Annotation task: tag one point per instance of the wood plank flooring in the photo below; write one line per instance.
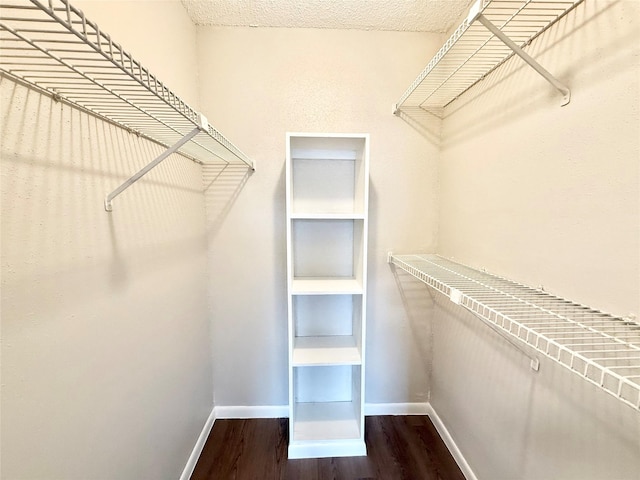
(398, 448)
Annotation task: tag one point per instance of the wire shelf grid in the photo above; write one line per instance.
(473, 52)
(54, 47)
(599, 347)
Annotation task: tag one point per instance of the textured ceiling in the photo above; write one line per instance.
(398, 15)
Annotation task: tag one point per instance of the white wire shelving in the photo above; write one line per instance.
(492, 32)
(599, 347)
(52, 46)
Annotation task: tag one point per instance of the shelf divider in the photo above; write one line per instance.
(325, 286)
(326, 350)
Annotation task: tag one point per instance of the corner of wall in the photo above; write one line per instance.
(197, 449)
(451, 444)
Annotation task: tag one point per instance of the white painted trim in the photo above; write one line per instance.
(325, 449)
(282, 411)
(371, 409)
(450, 443)
(197, 449)
(259, 411)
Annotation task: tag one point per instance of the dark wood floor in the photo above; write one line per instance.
(398, 448)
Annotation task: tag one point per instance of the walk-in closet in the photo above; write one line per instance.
(251, 239)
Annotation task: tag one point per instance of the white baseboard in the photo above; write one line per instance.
(371, 409)
(450, 443)
(197, 449)
(259, 411)
(282, 411)
(333, 448)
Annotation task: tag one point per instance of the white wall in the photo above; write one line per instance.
(258, 84)
(159, 33)
(545, 195)
(550, 195)
(106, 360)
(512, 423)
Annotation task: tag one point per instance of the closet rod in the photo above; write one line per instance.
(534, 362)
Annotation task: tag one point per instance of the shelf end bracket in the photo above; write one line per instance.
(475, 11)
(202, 126)
(561, 87)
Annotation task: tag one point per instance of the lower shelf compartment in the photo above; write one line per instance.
(326, 415)
(325, 421)
(327, 429)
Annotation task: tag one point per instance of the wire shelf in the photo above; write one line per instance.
(601, 348)
(473, 51)
(54, 47)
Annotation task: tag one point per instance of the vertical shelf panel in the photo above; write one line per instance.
(323, 248)
(327, 218)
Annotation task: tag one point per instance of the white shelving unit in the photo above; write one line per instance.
(327, 178)
(492, 32)
(600, 348)
(54, 48)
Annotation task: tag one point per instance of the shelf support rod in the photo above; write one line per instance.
(534, 362)
(562, 88)
(109, 198)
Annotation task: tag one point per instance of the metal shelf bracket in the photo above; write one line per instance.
(492, 33)
(53, 47)
(562, 88)
(203, 126)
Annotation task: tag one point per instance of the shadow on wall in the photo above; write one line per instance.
(551, 414)
(426, 123)
(58, 163)
(222, 185)
(418, 303)
(515, 89)
(101, 312)
(475, 370)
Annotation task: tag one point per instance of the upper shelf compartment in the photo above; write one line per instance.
(328, 175)
(53, 46)
(492, 32)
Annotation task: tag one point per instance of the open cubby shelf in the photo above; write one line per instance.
(327, 199)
